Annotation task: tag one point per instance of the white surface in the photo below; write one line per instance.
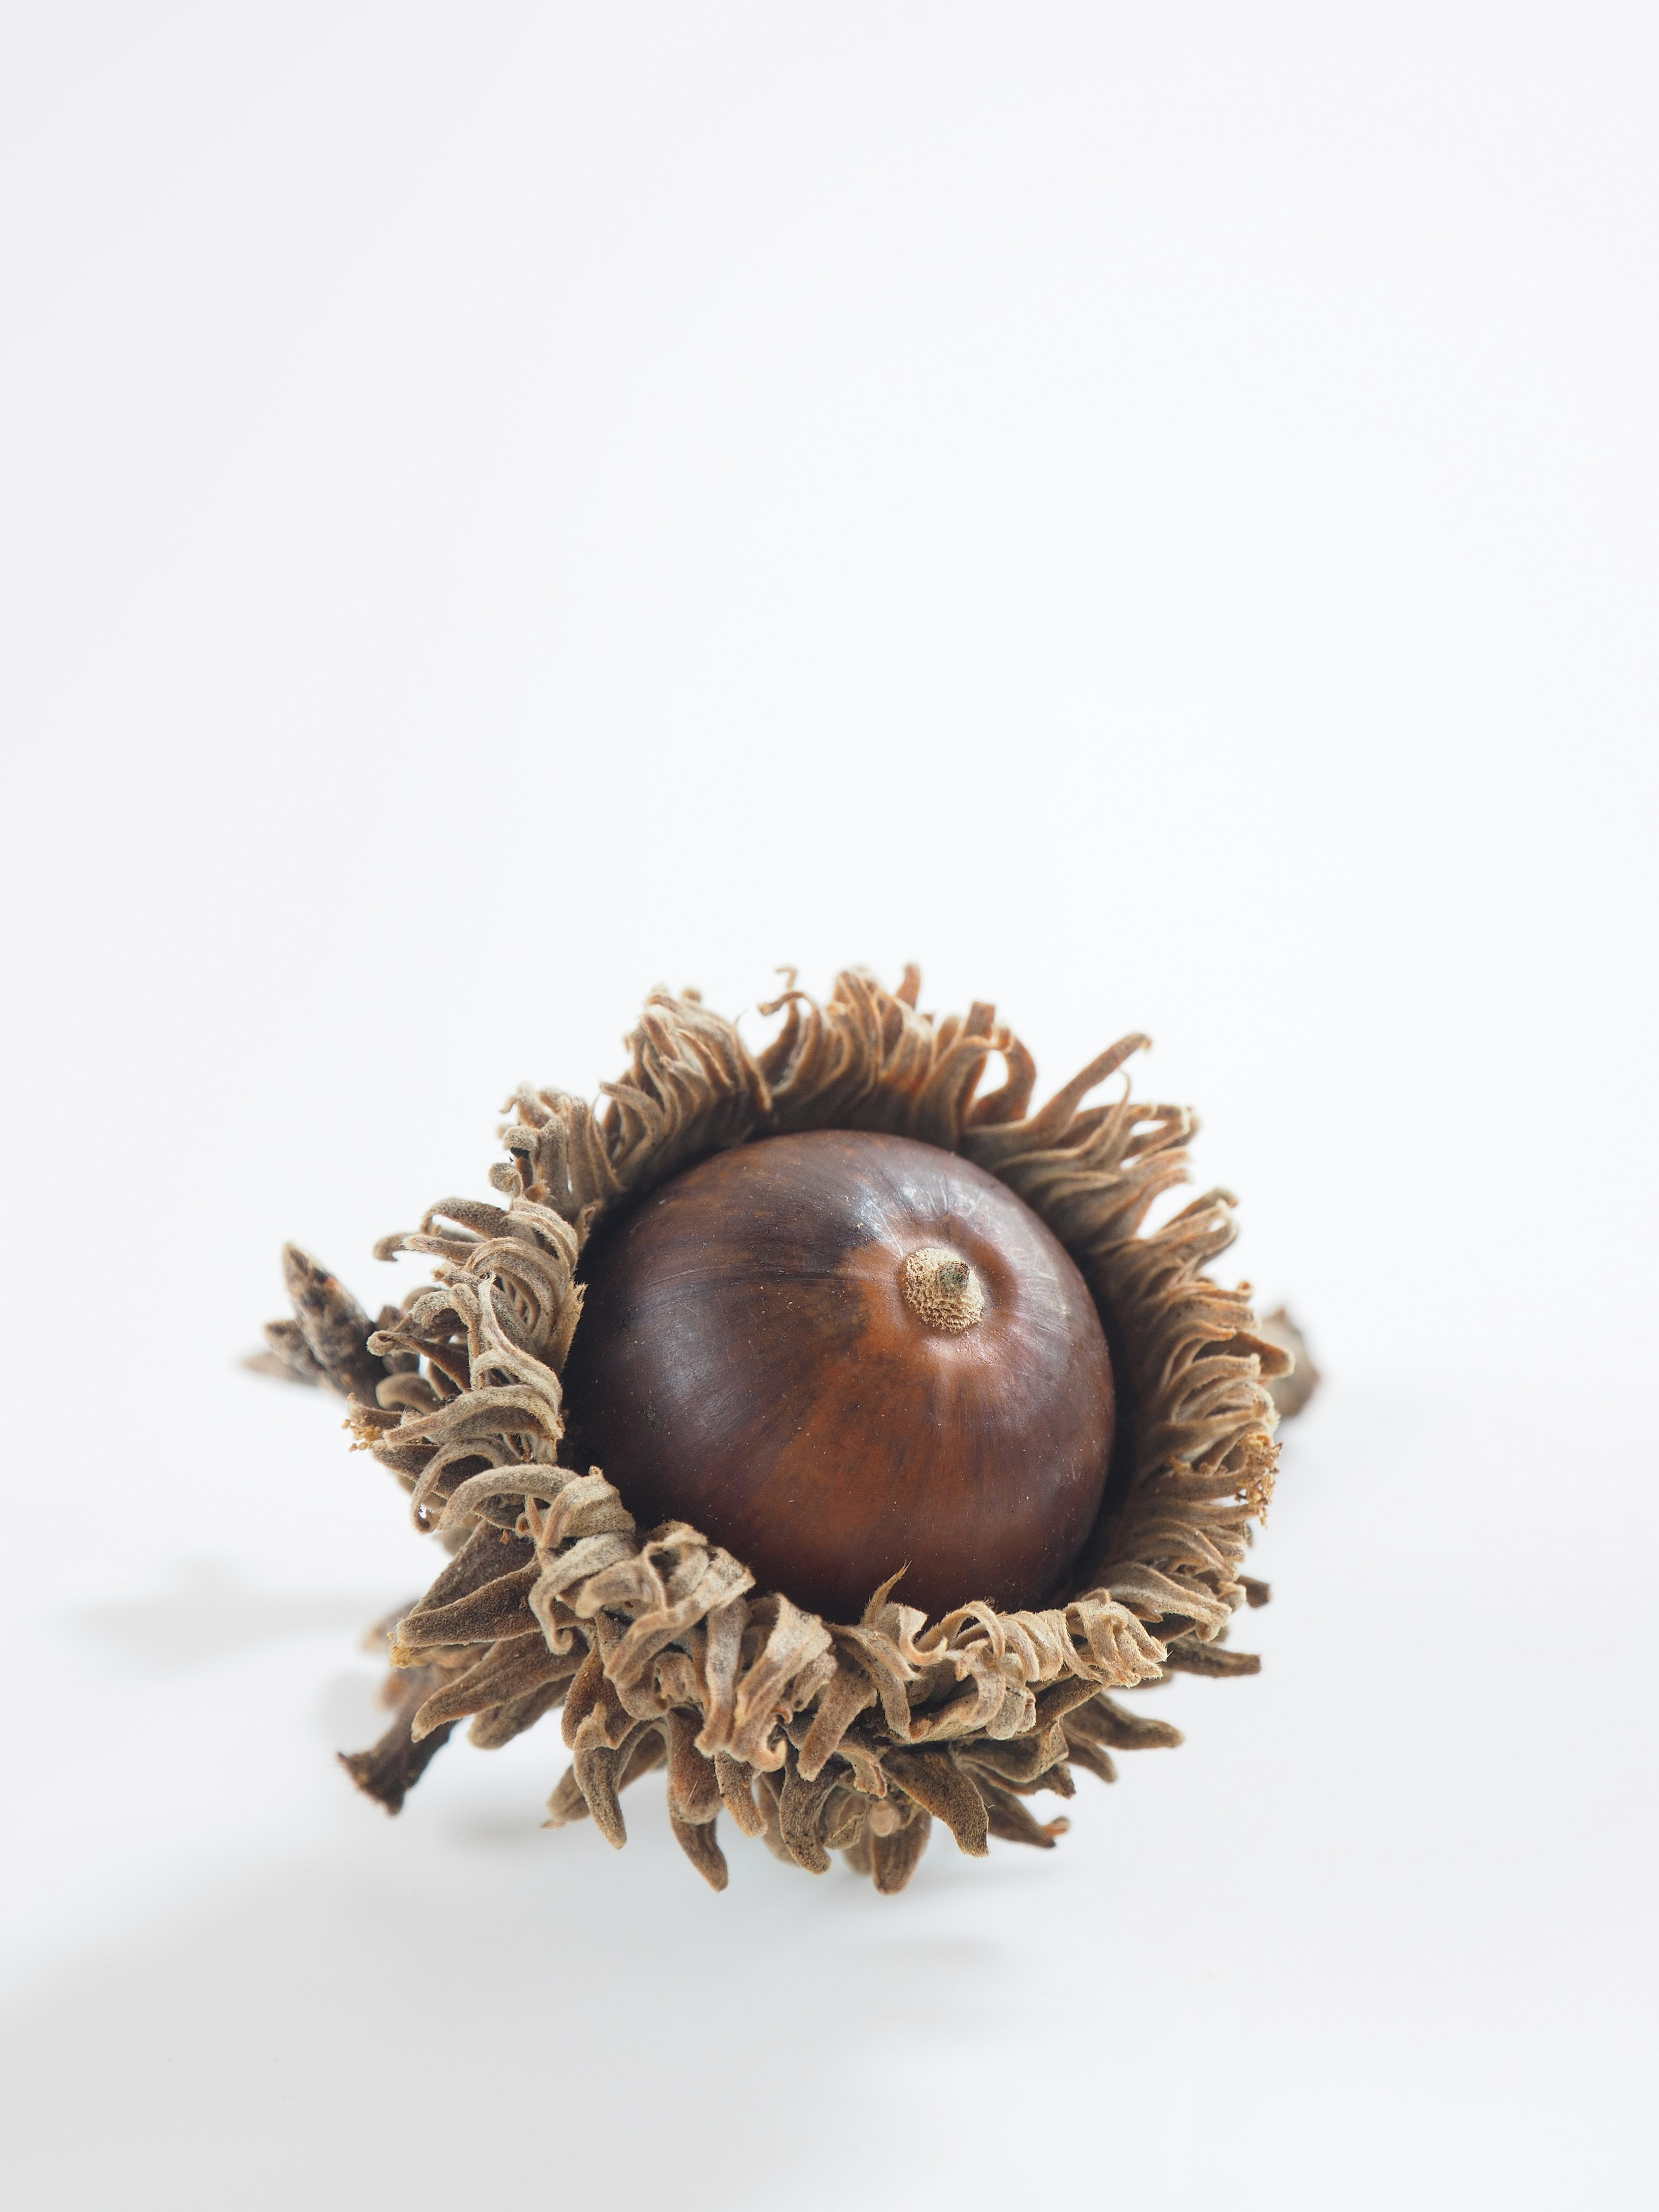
(1150, 513)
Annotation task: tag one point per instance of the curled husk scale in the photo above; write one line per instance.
(820, 1735)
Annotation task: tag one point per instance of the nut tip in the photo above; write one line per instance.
(942, 1290)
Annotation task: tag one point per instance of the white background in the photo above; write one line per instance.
(1150, 512)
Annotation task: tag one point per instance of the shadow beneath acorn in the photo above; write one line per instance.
(477, 2028)
(209, 1610)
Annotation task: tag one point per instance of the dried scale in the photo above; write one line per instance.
(841, 1305)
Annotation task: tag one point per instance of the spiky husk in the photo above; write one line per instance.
(819, 1736)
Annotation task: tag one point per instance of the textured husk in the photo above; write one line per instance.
(818, 1736)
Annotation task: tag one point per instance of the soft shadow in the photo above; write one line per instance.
(477, 2030)
(211, 1609)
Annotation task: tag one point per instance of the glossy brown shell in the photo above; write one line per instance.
(747, 1361)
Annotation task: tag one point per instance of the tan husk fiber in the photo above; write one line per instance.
(819, 1736)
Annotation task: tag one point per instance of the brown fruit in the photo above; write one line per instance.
(839, 1354)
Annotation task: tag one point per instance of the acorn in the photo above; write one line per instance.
(816, 1425)
(848, 1357)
